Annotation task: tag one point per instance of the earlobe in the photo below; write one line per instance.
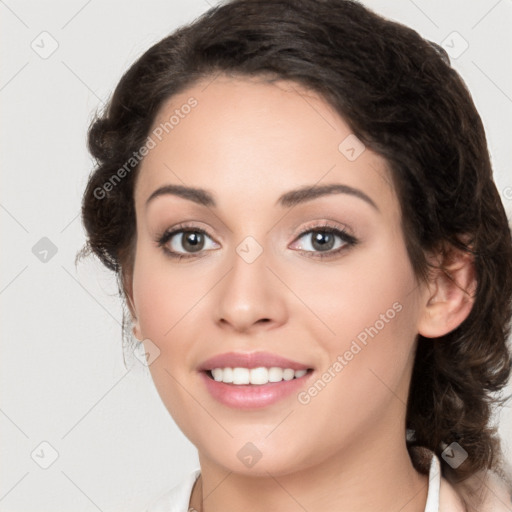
(128, 292)
(449, 297)
(136, 332)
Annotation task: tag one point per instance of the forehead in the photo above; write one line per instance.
(231, 135)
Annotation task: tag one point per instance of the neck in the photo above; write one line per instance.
(375, 478)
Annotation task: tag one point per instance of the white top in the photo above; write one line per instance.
(178, 498)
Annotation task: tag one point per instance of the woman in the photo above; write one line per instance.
(297, 199)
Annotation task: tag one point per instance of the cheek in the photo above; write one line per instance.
(162, 297)
(350, 296)
(369, 312)
(154, 300)
(166, 300)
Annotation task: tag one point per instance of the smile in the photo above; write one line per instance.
(249, 380)
(255, 376)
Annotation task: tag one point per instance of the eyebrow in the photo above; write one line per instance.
(289, 199)
(308, 193)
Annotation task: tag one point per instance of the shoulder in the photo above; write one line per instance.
(441, 497)
(177, 499)
(484, 491)
(487, 492)
(449, 499)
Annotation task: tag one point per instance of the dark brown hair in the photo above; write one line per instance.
(401, 97)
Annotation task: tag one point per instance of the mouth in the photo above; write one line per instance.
(260, 376)
(254, 380)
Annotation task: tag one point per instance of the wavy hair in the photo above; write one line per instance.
(401, 98)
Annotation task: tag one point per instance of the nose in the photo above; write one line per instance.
(250, 297)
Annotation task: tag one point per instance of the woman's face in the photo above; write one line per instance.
(263, 278)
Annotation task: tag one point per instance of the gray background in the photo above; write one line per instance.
(63, 379)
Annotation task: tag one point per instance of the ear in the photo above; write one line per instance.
(449, 296)
(127, 282)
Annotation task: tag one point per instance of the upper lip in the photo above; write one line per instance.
(250, 360)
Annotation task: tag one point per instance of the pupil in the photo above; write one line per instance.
(323, 241)
(193, 242)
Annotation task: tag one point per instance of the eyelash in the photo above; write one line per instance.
(324, 227)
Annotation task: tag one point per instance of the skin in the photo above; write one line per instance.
(248, 142)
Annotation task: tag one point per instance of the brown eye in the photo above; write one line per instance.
(186, 242)
(192, 241)
(326, 240)
(322, 241)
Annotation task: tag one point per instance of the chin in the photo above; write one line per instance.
(257, 458)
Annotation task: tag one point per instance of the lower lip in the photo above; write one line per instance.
(251, 396)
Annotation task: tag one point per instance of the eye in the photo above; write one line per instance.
(183, 242)
(320, 241)
(324, 241)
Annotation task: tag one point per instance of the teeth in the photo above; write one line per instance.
(256, 376)
(227, 375)
(240, 376)
(217, 374)
(288, 374)
(275, 374)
